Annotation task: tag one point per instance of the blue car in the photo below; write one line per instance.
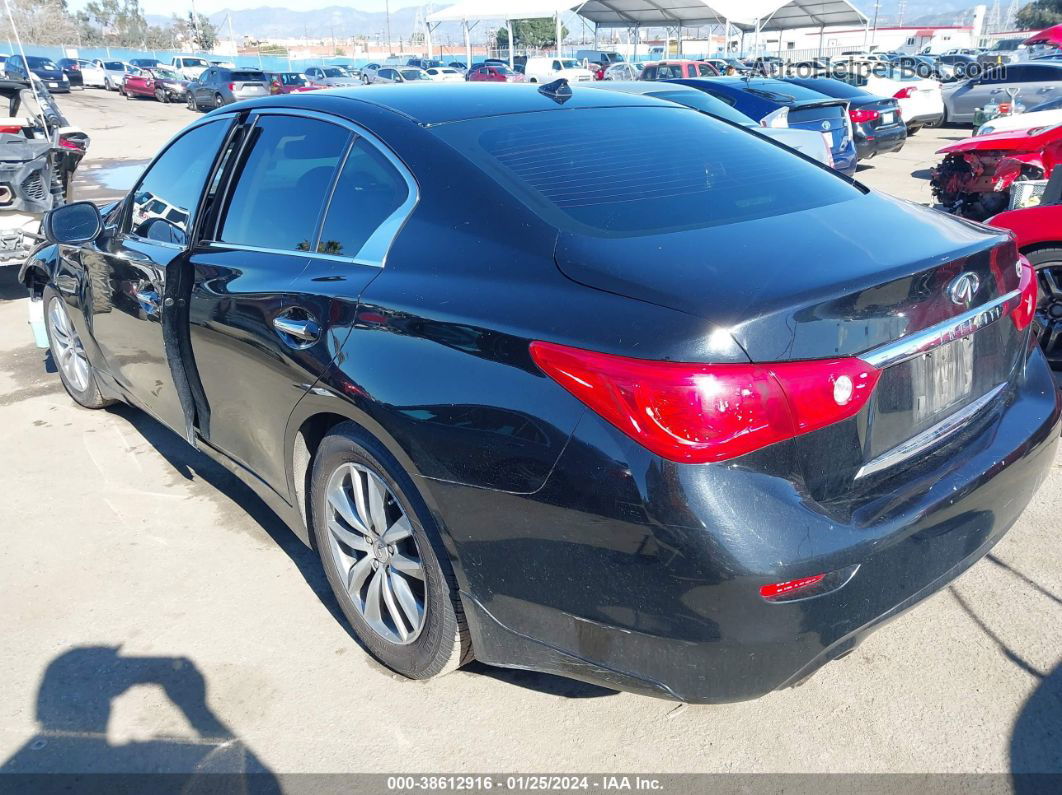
(806, 109)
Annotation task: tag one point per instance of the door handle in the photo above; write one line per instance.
(299, 331)
(149, 300)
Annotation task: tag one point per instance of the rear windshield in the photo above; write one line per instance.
(583, 169)
(247, 76)
(831, 87)
(782, 92)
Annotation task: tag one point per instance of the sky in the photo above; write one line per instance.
(169, 7)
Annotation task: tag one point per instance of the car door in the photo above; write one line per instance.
(269, 303)
(976, 93)
(130, 264)
(1041, 82)
(204, 89)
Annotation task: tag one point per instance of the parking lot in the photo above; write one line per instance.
(158, 617)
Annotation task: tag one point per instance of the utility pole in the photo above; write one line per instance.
(900, 11)
(877, 5)
(387, 11)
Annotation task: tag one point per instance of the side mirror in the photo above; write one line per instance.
(73, 224)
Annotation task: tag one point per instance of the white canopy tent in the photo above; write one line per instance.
(471, 12)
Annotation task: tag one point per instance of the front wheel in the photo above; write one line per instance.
(384, 559)
(68, 353)
(161, 96)
(192, 104)
(1048, 265)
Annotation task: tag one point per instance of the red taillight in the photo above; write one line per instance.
(1026, 308)
(782, 588)
(10, 128)
(698, 413)
(859, 116)
(232, 86)
(904, 93)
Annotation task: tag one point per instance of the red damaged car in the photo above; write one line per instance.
(983, 175)
(1038, 230)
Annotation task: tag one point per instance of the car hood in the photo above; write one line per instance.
(787, 286)
(1024, 121)
(48, 74)
(1008, 141)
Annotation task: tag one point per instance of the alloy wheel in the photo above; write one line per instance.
(67, 349)
(218, 101)
(1049, 310)
(375, 552)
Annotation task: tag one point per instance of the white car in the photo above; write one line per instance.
(190, 67)
(920, 98)
(623, 71)
(445, 74)
(93, 74)
(1022, 121)
(114, 73)
(540, 69)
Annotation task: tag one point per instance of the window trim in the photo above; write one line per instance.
(375, 249)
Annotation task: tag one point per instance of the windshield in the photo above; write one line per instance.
(582, 169)
(335, 71)
(705, 103)
(114, 66)
(412, 74)
(166, 73)
(195, 62)
(292, 79)
(569, 63)
(1008, 44)
(41, 63)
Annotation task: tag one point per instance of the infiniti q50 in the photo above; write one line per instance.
(687, 420)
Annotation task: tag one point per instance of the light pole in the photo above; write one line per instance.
(387, 11)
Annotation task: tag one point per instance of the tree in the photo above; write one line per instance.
(534, 33)
(1040, 14)
(40, 22)
(198, 30)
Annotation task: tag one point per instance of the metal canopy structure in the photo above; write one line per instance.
(745, 15)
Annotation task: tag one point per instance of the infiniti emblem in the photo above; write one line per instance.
(963, 287)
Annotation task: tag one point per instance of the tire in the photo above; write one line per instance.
(218, 101)
(441, 643)
(191, 103)
(78, 379)
(1047, 262)
(913, 130)
(162, 96)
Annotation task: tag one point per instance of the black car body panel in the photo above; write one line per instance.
(576, 549)
(884, 133)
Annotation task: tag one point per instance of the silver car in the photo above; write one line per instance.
(400, 74)
(331, 76)
(218, 86)
(114, 73)
(623, 71)
(1031, 83)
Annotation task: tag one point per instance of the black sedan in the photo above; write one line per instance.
(688, 420)
(18, 68)
(877, 126)
(72, 69)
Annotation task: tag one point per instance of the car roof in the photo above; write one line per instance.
(638, 86)
(440, 103)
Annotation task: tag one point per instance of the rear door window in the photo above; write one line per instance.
(583, 169)
(282, 183)
(368, 192)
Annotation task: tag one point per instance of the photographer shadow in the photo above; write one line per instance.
(74, 704)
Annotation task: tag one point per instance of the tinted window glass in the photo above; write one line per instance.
(114, 66)
(698, 100)
(583, 168)
(830, 87)
(283, 182)
(242, 77)
(369, 190)
(164, 203)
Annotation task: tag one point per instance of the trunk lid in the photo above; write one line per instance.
(830, 117)
(823, 283)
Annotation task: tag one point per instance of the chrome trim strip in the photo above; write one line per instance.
(291, 253)
(928, 437)
(933, 337)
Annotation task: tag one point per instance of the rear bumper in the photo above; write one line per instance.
(881, 141)
(646, 576)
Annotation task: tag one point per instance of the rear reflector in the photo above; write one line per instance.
(787, 587)
(1025, 310)
(698, 413)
